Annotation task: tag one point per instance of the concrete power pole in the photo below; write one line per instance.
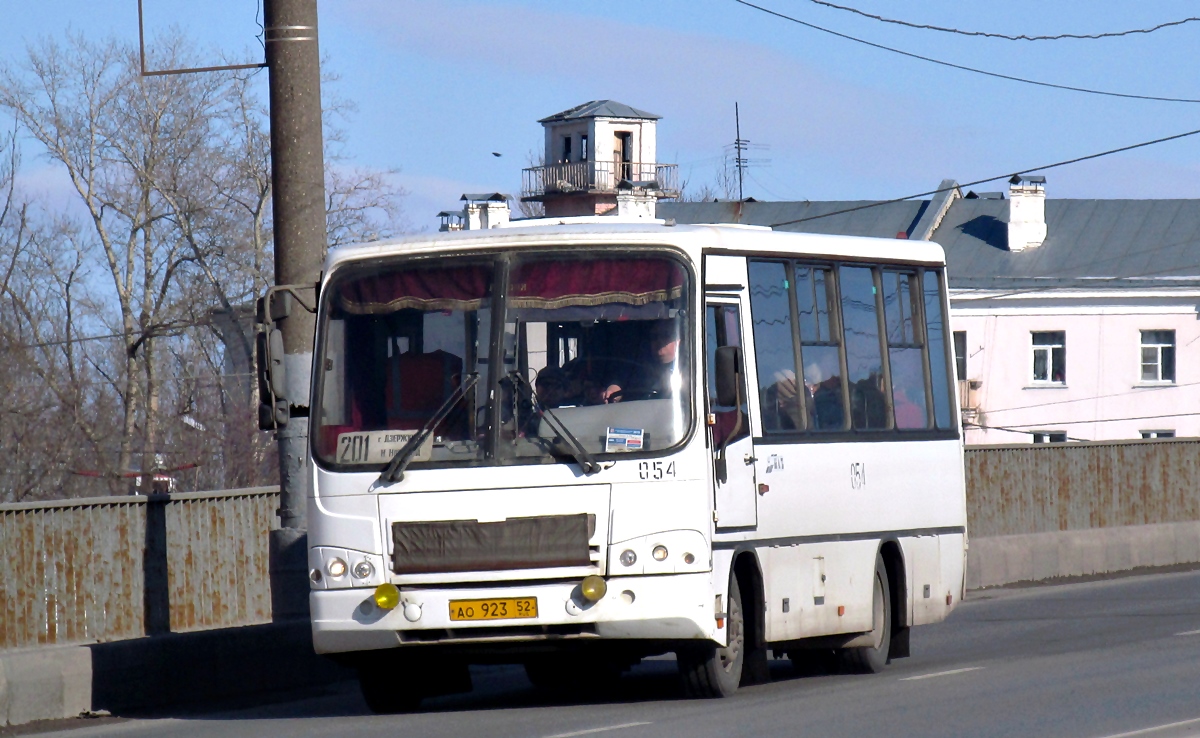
(298, 200)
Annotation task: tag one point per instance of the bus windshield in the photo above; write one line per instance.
(591, 352)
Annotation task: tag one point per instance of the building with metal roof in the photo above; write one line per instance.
(1072, 319)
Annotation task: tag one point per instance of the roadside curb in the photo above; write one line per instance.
(173, 670)
(1032, 557)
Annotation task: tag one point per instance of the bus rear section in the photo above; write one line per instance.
(572, 448)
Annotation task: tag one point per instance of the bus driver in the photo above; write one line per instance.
(655, 377)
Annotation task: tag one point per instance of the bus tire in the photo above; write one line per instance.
(871, 659)
(716, 671)
(386, 692)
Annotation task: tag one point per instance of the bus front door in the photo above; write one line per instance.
(730, 441)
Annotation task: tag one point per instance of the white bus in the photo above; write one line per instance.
(577, 445)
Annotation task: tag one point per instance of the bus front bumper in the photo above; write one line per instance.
(666, 607)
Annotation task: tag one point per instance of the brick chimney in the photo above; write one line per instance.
(1026, 212)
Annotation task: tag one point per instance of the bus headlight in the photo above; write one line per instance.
(628, 557)
(659, 553)
(363, 569)
(336, 568)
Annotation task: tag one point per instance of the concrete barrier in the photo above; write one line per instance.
(179, 669)
(173, 670)
(1033, 557)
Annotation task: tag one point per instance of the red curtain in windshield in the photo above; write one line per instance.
(450, 288)
(537, 284)
(557, 284)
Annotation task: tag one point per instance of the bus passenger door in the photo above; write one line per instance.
(729, 425)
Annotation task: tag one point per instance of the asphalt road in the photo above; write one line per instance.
(1093, 660)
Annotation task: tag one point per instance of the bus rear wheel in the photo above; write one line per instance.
(871, 659)
(715, 671)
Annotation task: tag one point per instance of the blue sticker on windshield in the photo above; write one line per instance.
(623, 439)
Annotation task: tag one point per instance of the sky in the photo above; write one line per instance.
(441, 84)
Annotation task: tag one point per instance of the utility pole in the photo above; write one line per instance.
(739, 146)
(298, 201)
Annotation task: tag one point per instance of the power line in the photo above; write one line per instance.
(154, 332)
(1014, 430)
(1076, 160)
(1099, 420)
(962, 67)
(1006, 37)
(1150, 388)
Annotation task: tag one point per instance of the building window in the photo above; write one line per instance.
(583, 149)
(1158, 356)
(960, 354)
(1050, 357)
(1049, 437)
(566, 156)
(1158, 434)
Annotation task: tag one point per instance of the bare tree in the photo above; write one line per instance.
(172, 177)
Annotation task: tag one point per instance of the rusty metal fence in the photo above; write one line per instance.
(111, 568)
(1038, 488)
(104, 569)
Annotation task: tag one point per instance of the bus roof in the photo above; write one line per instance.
(693, 238)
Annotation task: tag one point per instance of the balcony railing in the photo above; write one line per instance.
(596, 177)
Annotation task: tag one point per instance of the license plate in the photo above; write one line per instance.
(506, 608)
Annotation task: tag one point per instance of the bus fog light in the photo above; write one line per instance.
(628, 557)
(688, 558)
(363, 569)
(593, 588)
(659, 553)
(336, 568)
(387, 596)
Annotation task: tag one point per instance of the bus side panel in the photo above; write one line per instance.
(816, 580)
(935, 571)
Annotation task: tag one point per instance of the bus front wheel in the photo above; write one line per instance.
(715, 671)
(871, 659)
(384, 692)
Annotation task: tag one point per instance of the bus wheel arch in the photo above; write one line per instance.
(710, 671)
(748, 571)
(897, 573)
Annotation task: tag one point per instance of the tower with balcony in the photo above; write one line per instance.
(600, 159)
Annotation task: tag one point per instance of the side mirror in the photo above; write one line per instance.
(729, 367)
(273, 404)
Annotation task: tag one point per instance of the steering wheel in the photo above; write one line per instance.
(629, 394)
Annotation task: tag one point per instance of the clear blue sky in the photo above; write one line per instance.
(440, 84)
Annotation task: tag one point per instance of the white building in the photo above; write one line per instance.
(1073, 319)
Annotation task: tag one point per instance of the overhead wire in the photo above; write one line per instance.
(1140, 390)
(963, 67)
(957, 186)
(969, 426)
(163, 330)
(1004, 36)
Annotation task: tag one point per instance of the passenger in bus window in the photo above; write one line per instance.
(784, 392)
(557, 387)
(824, 393)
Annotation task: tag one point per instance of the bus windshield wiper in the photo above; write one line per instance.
(394, 471)
(586, 463)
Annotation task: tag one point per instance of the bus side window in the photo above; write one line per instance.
(935, 341)
(820, 348)
(774, 346)
(721, 328)
(869, 407)
(906, 353)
